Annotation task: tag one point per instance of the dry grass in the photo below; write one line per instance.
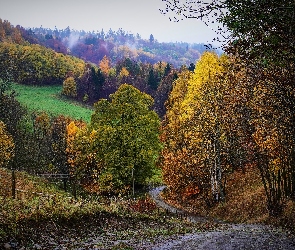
(245, 202)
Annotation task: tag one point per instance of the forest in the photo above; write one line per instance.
(216, 129)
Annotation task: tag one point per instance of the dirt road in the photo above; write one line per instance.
(229, 237)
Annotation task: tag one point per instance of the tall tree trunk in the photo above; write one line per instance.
(216, 173)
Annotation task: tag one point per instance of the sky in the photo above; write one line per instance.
(134, 16)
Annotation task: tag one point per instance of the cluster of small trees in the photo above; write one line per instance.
(87, 83)
(27, 63)
(34, 64)
(102, 80)
(121, 145)
(195, 132)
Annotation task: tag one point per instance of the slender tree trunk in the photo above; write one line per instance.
(218, 191)
(13, 180)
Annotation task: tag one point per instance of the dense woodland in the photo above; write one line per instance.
(198, 116)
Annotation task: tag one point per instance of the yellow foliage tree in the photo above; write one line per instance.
(35, 64)
(69, 87)
(124, 73)
(78, 152)
(6, 145)
(193, 131)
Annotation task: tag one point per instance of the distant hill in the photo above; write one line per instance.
(116, 45)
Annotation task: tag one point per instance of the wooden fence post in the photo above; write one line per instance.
(13, 184)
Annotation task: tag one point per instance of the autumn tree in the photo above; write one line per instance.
(78, 151)
(131, 66)
(34, 64)
(59, 143)
(178, 169)
(69, 87)
(273, 132)
(7, 145)
(105, 65)
(124, 73)
(261, 37)
(268, 52)
(193, 126)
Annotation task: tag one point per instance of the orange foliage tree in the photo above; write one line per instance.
(105, 65)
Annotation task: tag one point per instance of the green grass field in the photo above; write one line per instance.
(48, 99)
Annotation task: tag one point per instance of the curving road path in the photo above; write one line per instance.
(231, 237)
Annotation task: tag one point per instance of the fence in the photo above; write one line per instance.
(14, 190)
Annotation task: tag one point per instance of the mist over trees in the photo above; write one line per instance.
(116, 45)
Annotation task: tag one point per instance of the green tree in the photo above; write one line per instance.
(152, 79)
(126, 138)
(167, 69)
(4, 86)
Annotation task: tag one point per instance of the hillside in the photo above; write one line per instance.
(116, 45)
(25, 61)
(44, 216)
(112, 114)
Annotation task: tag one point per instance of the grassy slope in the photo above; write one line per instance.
(47, 98)
(42, 212)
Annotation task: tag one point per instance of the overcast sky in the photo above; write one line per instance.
(135, 16)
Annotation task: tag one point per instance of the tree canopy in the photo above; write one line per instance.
(125, 138)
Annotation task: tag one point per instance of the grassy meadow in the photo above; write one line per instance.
(48, 99)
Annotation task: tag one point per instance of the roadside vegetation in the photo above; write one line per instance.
(245, 203)
(43, 213)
